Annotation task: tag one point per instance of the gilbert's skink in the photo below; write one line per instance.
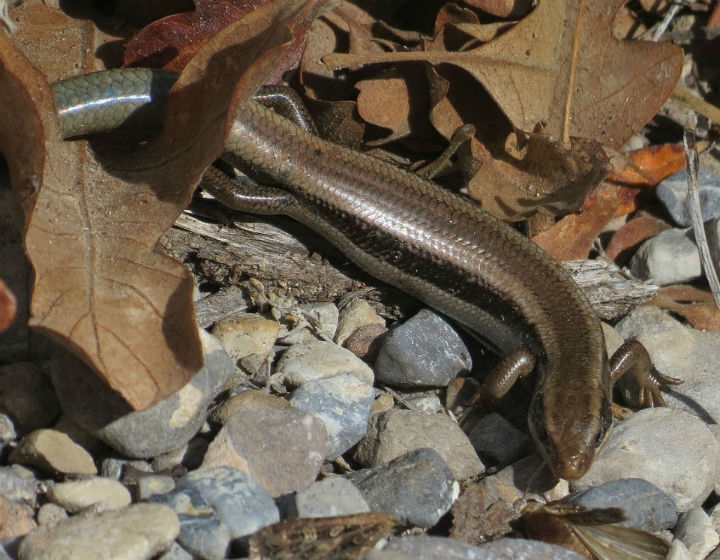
(437, 246)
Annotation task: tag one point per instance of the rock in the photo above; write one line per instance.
(425, 547)
(202, 532)
(17, 488)
(176, 552)
(646, 507)
(318, 360)
(281, 449)
(248, 338)
(355, 314)
(328, 498)
(7, 432)
(16, 519)
(496, 439)
(342, 403)
(137, 532)
(246, 400)
(425, 351)
(672, 191)
(216, 505)
(323, 318)
(679, 552)
(114, 468)
(670, 257)
(153, 485)
(393, 433)
(681, 352)
(103, 493)
(417, 488)
(166, 426)
(383, 402)
(50, 513)
(660, 445)
(237, 499)
(696, 532)
(428, 404)
(365, 342)
(54, 453)
(27, 397)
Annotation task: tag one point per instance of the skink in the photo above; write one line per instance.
(437, 246)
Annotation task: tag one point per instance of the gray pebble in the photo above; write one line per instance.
(659, 445)
(670, 257)
(317, 359)
(166, 426)
(52, 452)
(153, 485)
(697, 533)
(342, 403)
(76, 495)
(393, 433)
(202, 532)
(425, 547)
(27, 397)
(646, 507)
(417, 488)
(114, 468)
(237, 499)
(322, 316)
(354, 314)
(425, 351)
(49, 514)
(137, 532)
(672, 191)
(175, 552)
(17, 488)
(329, 497)
(7, 431)
(496, 439)
(282, 450)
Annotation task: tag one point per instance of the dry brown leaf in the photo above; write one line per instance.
(573, 236)
(562, 66)
(100, 288)
(629, 237)
(396, 100)
(512, 174)
(696, 305)
(8, 306)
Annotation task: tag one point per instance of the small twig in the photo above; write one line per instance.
(693, 203)
(669, 15)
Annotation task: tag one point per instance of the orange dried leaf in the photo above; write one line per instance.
(648, 166)
(572, 237)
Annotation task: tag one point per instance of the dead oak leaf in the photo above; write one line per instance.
(562, 66)
(100, 287)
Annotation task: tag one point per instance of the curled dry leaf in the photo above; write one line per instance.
(562, 66)
(8, 306)
(171, 42)
(100, 287)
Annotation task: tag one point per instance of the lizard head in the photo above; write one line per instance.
(569, 429)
